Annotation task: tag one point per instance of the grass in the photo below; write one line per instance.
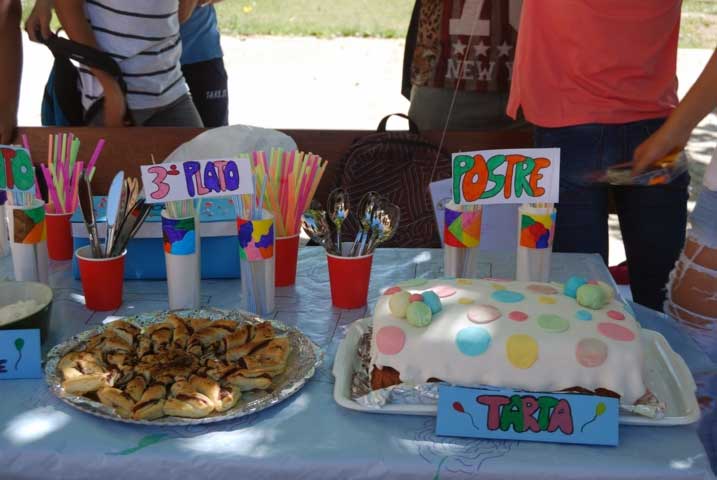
(385, 19)
(334, 18)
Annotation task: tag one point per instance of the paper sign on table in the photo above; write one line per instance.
(517, 415)
(525, 175)
(189, 179)
(20, 354)
(16, 171)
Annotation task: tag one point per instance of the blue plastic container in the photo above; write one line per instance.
(145, 252)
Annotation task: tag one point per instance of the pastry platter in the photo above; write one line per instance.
(298, 366)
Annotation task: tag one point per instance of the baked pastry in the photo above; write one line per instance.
(525, 335)
(177, 367)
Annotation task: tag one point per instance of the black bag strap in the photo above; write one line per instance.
(412, 127)
(86, 55)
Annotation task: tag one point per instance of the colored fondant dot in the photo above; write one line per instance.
(398, 303)
(518, 316)
(591, 296)
(609, 291)
(553, 323)
(545, 300)
(593, 282)
(542, 289)
(507, 296)
(392, 290)
(464, 281)
(583, 315)
(616, 332)
(415, 297)
(390, 340)
(572, 285)
(591, 352)
(499, 287)
(473, 341)
(444, 291)
(483, 314)
(418, 314)
(414, 282)
(522, 350)
(466, 301)
(433, 302)
(615, 315)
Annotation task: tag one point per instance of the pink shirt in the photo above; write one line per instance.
(595, 61)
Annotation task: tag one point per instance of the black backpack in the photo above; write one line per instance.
(400, 166)
(62, 99)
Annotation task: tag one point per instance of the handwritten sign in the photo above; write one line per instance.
(506, 176)
(517, 415)
(197, 179)
(20, 354)
(16, 171)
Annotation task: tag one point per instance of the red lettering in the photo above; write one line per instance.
(535, 176)
(219, 165)
(474, 187)
(561, 418)
(530, 405)
(494, 402)
(512, 160)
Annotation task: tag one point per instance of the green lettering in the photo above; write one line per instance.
(512, 415)
(545, 404)
(461, 165)
(522, 172)
(493, 163)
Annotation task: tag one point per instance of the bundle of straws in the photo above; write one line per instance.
(182, 208)
(62, 172)
(287, 183)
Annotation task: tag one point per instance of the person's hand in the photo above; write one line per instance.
(656, 147)
(8, 122)
(115, 107)
(38, 23)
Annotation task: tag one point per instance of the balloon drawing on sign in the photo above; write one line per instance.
(19, 343)
(459, 408)
(599, 410)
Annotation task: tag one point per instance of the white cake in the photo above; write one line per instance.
(522, 335)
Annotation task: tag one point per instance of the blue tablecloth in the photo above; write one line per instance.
(309, 435)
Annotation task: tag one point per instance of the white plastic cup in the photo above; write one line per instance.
(28, 242)
(256, 262)
(182, 255)
(461, 240)
(536, 229)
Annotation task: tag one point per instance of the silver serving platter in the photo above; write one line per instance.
(305, 356)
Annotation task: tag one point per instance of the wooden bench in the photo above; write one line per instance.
(128, 148)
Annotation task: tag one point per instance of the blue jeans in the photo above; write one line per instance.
(652, 219)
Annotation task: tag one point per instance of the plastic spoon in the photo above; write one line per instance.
(88, 214)
(114, 200)
(338, 212)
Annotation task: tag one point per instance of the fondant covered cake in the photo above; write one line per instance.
(524, 335)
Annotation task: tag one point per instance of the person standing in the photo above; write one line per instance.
(458, 59)
(596, 78)
(11, 53)
(203, 65)
(143, 37)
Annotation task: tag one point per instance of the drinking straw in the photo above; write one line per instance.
(73, 198)
(90, 171)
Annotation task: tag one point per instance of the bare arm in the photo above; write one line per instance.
(72, 17)
(37, 24)
(186, 7)
(699, 101)
(11, 53)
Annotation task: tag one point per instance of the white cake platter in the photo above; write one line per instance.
(665, 373)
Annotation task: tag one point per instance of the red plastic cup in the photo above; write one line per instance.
(286, 252)
(102, 279)
(59, 236)
(349, 278)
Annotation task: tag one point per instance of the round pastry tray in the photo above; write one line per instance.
(305, 356)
